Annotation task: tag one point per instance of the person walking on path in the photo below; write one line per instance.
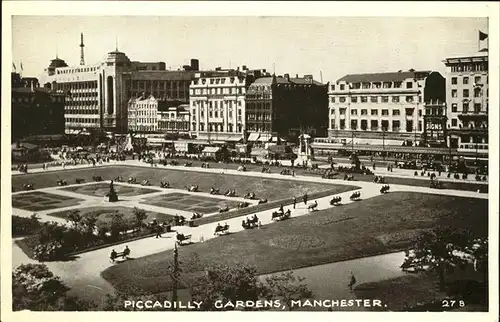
(294, 202)
(305, 199)
(352, 281)
(158, 231)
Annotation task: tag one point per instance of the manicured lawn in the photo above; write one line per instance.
(272, 189)
(189, 202)
(368, 227)
(38, 201)
(105, 214)
(102, 188)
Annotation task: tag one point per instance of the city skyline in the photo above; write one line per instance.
(334, 47)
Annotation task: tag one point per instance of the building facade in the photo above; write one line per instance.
(217, 102)
(35, 110)
(98, 95)
(286, 107)
(467, 99)
(368, 108)
(175, 120)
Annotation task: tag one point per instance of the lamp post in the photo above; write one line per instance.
(383, 143)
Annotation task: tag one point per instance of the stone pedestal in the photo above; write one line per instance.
(112, 195)
(304, 155)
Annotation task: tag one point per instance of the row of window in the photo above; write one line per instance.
(143, 112)
(143, 120)
(376, 126)
(81, 120)
(93, 111)
(217, 127)
(266, 127)
(259, 116)
(257, 96)
(469, 67)
(465, 92)
(376, 99)
(215, 104)
(147, 84)
(384, 112)
(373, 85)
(217, 91)
(75, 85)
(173, 95)
(465, 80)
(465, 107)
(81, 103)
(76, 70)
(214, 80)
(258, 106)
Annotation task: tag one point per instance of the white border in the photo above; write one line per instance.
(410, 9)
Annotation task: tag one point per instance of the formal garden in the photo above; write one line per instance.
(374, 226)
(39, 201)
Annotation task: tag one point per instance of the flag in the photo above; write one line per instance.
(482, 35)
(21, 65)
(14, 65)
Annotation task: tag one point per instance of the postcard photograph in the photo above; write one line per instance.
(249, 163)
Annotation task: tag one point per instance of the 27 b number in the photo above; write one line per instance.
(453, 303)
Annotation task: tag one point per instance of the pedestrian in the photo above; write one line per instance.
(294, 202)
(352, 281)
(64, 165)
(305, 199)
(259, 224)
(43, 166)
(158, 231)
(293, 173)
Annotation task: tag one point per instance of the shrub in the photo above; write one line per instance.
(48, 251)
(22, 226)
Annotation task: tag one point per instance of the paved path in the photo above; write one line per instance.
(83, 273)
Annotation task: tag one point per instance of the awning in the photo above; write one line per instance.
(253, 137)
(264, 138)
(211, 149)
(234, 139)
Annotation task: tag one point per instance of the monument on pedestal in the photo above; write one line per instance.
(304, 156)
(112, 195)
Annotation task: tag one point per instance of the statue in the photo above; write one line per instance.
(112, 196)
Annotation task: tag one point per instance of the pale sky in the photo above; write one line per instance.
(297, 45)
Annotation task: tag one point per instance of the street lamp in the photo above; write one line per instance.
(383, 143)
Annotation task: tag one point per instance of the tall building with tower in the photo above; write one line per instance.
(97, 95)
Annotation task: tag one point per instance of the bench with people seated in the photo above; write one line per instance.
(313, 206)
(230, 193)
(250, 223)
(79, 180)
(97, 178)
(192, 188)
(249, 195)
(118, 179)
(242, 168)
(205, 165)
(224, 208)
(181, 238)
(132, 180)
(145, 182)
(188, 164)
(61, 182)
(384, 189)
(214, 191)
(124, 254)
(221, 230)
(280, 215)
(28, 186)
(286, 172)
(262, 200)
(336, 201)
(243, 205)
(164, 184)
(355, 196)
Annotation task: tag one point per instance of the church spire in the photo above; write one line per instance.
(82, 46)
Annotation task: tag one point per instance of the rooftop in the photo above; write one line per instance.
(381, 77)
(283, 80)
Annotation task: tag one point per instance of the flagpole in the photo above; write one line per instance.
(478, 39)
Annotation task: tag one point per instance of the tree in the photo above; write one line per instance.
(117, 226)
(36, 288)
(288, 287)
(75, 218)
(140, 215)
(444, 249)
(355, 161)
(224, 283)
(90, 223)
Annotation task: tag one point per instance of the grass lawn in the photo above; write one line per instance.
(105, 214)
(421, 292)
(189, 202)
(368, 227)
(102, 188)
(272, 189)
(38, 201)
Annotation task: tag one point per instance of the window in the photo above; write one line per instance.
(374, 112)
(466, 80)
(395, 126)
(387, 84)
(385, 112)
(453, 93)
(354, 112)
(216, 114)
(342, 111)
(374, 99)
(454, 122)
(420, 113)
(420, 126)
(385, 99)
(333, 99)
(332, 111)
(342, 124)
(364, 112)
(454, 107)
(477, 80)
(364, 99)
(466, 93)
(395, 99)
(409, 85)
(210, 114)
(356, 85)
(477, 92)
(477, 107)
(465, 107)
(342, 87)
(454, 81)
(409, 99)
(342, 99)
(374, 125)
(354, 99)
(354, 124)
(396, 112)
(397, 84)
(409, 126)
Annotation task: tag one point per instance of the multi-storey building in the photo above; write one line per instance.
(35, 110)
(98, 95)
(174, 120)
(370, 108)
(286, 107)
(217, 102)
(467, 100)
